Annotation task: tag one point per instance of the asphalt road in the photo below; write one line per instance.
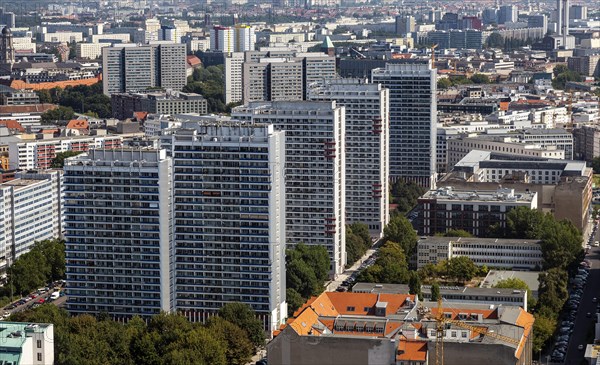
(582, 322)
(58, 302)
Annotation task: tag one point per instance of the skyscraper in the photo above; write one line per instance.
(7, 18)
(579, 12)
(562, 19)
(239, 38)
(367, 149)
(119, 232)
(229, 219)
(133, 68)
(413, 119)
(245, 38)
(507, 13)
(314, 171)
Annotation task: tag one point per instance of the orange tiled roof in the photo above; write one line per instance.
(140, 115)
(20, 84)
(193, 61)
(78, 124)
(34, 108)
(525, 320)
(487, 313)
(342, 301)
(48, 131)
(12, 124)
(411, 350)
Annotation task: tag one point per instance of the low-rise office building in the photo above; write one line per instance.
(492, 252)
(459, 294)
(125, 104)
(474, 211)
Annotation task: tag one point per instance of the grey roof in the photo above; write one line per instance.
(477, 240)
(529, 277)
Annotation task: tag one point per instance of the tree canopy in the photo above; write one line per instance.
(401, 231)
(210, 83)
(390, 266)
(80, 98)
(405, 195)
(307, 269)
(358, 241)
(165, 339)
(59, 114)
(58, 162)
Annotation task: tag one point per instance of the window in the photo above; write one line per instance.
(464, 334)
(39, 344)
(39, 356)
(350, 309)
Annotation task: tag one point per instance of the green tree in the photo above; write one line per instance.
(559, 69)
(405, 195)
(435, 292)
(495, 40)
(400, 230)
(59, 114)
(522, 222)
(294, 300)
(543, 328)
(389, 267)
(596, 165)
(552, 292)
(561, 245)
(244, 317)
(45, 97)
(462, 268)
(239, 349)
(480, 79)
(414, 283)
(58, 162)
(560, 81)
(444, 84)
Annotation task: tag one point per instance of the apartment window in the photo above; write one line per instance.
(39, 344)
(350, 309)
(39, 356)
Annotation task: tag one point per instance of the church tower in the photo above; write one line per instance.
(7, 51)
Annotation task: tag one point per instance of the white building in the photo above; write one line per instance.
(413, 119)
(119, 232)
(492, 252)
(222, 39)
(314, 171)
(38, 154)
(474, 211)
(99, 38)
(458, 148)
(230, 219)
(234, 90)
(367, 149)
(30, 211)
(245, 38)
(90, 51)
(27, 343)
(549, 117)
(194, 45)
(62, 37)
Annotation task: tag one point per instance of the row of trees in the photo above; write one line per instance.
(43, 264)
(307, 269)
(456, 270)
(405, 195)
(230, 338)
(358, 241)
(561, 250)
(446, 83)
(210, 83)
(81, 99)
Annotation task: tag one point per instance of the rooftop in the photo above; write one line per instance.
(500, 195)
(477, 240)
(529, 277)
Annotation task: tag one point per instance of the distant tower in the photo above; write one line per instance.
(327, 47)
(7, 51)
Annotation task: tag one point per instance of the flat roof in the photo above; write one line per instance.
(529, 277)
(444, 290)
(500, 195)
(477, 240)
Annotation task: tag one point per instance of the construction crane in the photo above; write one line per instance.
(442, 322)
(432, 48)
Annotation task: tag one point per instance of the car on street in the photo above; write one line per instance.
(594, 300)
(580, 347)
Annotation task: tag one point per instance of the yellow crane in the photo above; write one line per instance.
(432, 48)
(442, 321)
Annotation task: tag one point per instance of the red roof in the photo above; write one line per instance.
(12, 125)
(139, 116)
(78, 124)
(34, 108)
(193, 61)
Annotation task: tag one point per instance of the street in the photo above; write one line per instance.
(583, 324)
(58, 302)
(333, 285)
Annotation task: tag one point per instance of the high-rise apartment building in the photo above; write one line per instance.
(507, 14)
(234, 91)
(367, 149)
(245, 38)
(30, 211)
(132, 68)
(405, 24)
(230, 219)
(119, 232)
(537, 21)
(314, 171)
(413, 119)
(579, 12)
(7, 18)
(239, 38)
(285, 76)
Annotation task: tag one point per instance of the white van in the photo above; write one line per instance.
(55, 295)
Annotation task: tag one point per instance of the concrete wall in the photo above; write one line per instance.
(473, 353)
(290, 349)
